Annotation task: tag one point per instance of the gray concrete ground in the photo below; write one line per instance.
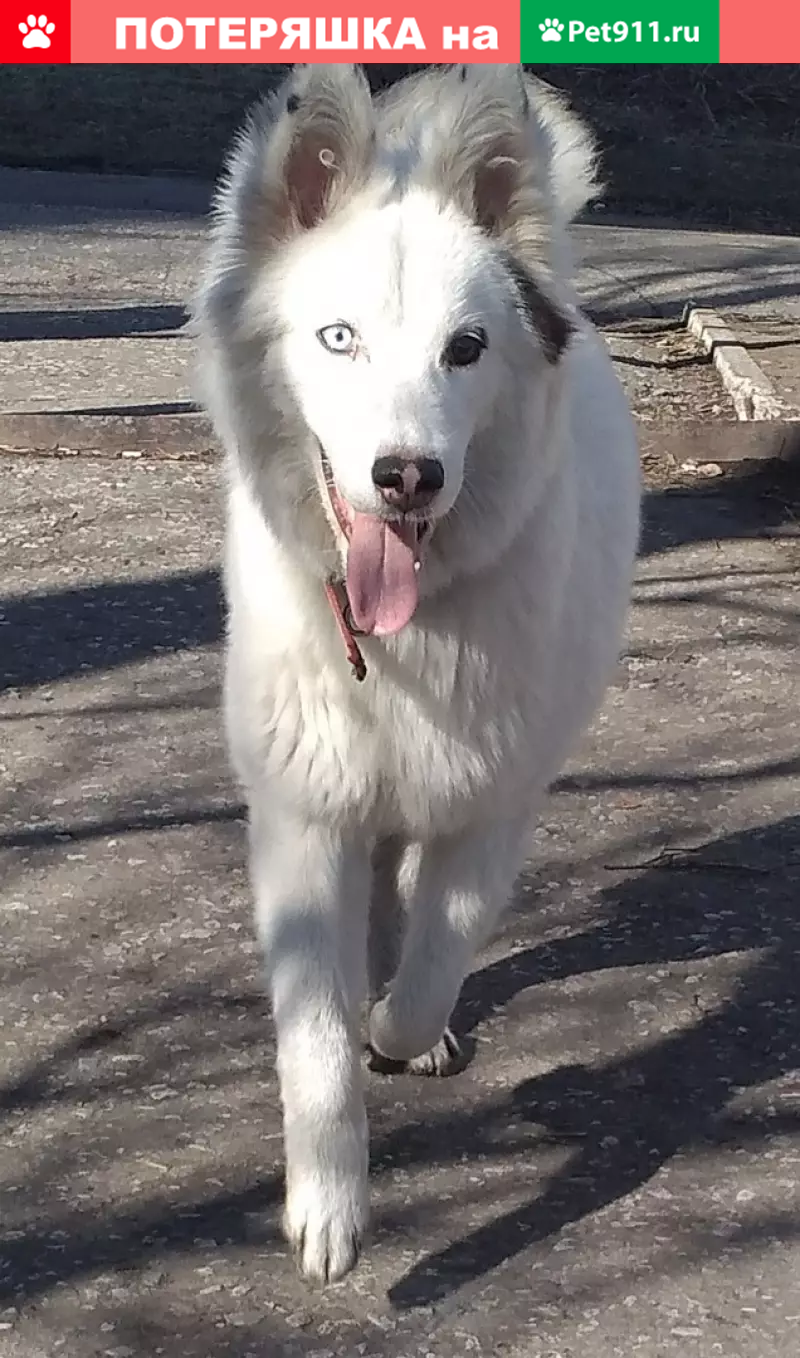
(92, 289)
(774, 342)
(617, 1172)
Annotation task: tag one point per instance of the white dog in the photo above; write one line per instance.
(434, 490)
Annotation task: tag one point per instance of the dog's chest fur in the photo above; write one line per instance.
(452, 722)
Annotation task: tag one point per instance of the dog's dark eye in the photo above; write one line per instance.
(338, 338)
(465, 349)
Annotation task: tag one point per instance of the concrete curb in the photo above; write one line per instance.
(753, 395)
(189, 435)
(117, 435)
(723, 442)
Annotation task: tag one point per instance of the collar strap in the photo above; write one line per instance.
(340, 607)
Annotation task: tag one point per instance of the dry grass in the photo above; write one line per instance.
(701, 143)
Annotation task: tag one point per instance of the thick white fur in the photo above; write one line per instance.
(409, 797)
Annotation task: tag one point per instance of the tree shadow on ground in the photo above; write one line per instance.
(51, 636)
(619, 1120)
(628, 1117)
(749, 500)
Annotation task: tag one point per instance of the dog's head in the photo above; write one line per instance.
(388, 270)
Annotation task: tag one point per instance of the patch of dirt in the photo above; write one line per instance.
(771, 483)
(666, 374)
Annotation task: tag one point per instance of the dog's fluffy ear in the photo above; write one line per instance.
(522, 148)
(304, 151)
(571, 150)
(323, 142)
(473, 135)
(482, 151)
(485, 148)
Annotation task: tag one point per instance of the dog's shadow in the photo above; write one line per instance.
(627, 1118)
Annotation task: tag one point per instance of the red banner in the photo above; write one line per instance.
(197, 31)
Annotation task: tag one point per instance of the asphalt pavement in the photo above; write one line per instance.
(617, 1172)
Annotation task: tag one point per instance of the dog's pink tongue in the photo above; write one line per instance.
(381, 580)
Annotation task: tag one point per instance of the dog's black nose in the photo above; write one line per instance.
(408, 482)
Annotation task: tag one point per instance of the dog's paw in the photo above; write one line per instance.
(446, 1057)
(325, 1224)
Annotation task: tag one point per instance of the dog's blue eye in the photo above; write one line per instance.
(465, 349)
(337, 338)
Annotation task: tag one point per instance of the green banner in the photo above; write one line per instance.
(601, 32)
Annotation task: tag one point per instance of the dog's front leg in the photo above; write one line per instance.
(311, 888)
(461, 884)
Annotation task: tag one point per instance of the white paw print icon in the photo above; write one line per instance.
(551, 30)
(36, 32)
